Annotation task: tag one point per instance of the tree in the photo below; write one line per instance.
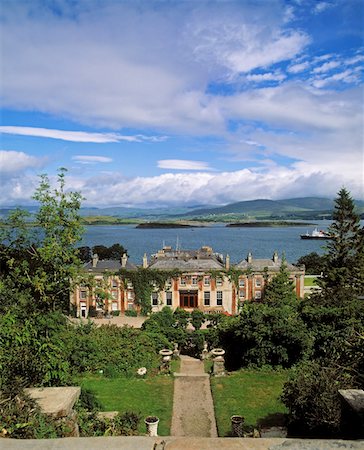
(280, 288)
(313, 262)
(116, 251)
(345, 258)
(42, 260)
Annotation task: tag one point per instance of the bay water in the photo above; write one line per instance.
(262, 242)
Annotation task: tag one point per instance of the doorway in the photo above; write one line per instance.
(188, 299)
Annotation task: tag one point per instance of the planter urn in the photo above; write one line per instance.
(151, 423)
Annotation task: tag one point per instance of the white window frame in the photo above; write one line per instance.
(206, 281)
(241, 282)
(219, 298)
(207, 296)
(154, 299)
(169, 298)
(219, 281)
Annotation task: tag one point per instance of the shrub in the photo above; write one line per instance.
(91, 424)
(21, 418)
(131, 313)
(311, 395)
(115, 313)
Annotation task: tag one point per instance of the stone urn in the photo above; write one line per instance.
(151, 423)
(217, 352)
(237, 423)
(165, 352)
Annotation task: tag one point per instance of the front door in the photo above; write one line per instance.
(188, 299)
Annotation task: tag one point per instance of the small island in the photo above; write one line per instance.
(147, 225)
(269, 223)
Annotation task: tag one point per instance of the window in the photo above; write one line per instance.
(206, 281)
(114, 306)
(258, 295)
(129, 285)
(83, 295)
(219, 298)
(168, 283)
(206, 298)
(183, 282)
(258, 282)
(241, 293)
(114, 294)
(114, 283)
(154, 298)
(241, 282)
(130, 295)
(194, 281)
(218, 281)
(130, 306)
(169, 298)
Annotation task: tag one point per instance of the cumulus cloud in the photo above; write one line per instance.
(297, 68)
(91, 159)
(268, 76)
(77, 136)
(13, 161)
(183, 164)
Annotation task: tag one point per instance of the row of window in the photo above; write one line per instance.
(206, 298)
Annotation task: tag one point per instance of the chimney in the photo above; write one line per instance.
(95, 259)
(145, 261)
(275, 257)
(124, 260)
(249, 258)
(227, 262)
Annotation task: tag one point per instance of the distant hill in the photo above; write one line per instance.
(304, 207)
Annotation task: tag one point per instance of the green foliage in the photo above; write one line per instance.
(197, 318)
(92, 424)
(280, 289)
(115, 251)
(33, 350)
(42, 261)
(131, 313)
(312, 398)
(345, 257)
(313, 262)
(21, 418)
(144, 282)
(113, 350)
(264, 334)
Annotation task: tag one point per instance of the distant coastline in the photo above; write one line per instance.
(280, 223)
(153, 225)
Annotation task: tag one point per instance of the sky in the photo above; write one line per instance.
(180, 103)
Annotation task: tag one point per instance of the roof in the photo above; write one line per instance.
(110, 265)
(260, 265)
(203, 259)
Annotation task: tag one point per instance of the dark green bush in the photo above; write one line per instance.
(131, 313)
(312, 397)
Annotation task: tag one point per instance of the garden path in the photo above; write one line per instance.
(193, 408)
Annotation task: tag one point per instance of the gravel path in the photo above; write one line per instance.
(193, 408)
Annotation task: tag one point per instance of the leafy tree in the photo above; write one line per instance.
(280, 288)
(116, 251)
(42, 261)
(312, 398)
(313, 262)
(345, 258)
(84, 253)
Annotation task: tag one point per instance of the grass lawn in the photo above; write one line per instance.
(253, 394)
(310, 281)
(150, 396)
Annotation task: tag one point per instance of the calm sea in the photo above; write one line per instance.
(236, 242)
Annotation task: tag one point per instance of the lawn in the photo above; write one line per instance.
(310, 281)
(253, 394)
(150, 396)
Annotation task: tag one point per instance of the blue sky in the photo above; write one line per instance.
(163, 103)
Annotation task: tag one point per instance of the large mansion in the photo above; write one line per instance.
(199, 279)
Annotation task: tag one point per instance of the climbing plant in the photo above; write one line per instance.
(145, 281)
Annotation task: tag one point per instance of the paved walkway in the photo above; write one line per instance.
(193, 408)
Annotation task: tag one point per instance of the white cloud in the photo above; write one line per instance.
(327, 67)
(183, 164)
(13, 161)
(91, 159)
(268, 76)
(321, 7)
(77, 136)
(297, 68)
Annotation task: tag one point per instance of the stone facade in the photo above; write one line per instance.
(204, 281)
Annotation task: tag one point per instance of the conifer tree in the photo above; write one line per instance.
(345, 257)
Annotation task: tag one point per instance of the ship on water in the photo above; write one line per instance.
(316, 234)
